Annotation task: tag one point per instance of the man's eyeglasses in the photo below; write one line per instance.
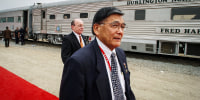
(116, 25)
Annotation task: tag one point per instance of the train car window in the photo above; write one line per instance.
(193, 49)
(66, 16)
(83, 15)
(43, 14)
(149, 47)
(168, 47)
(52, 17)
(186, 13)
(140, 15)
(134, 47)
(19, 19)
(10, 19)
(3, 20)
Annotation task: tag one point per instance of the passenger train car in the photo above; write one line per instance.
(167, 27)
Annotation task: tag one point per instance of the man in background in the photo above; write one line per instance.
(73, 41)
(7, 36)
(17, 35)
(22, 34)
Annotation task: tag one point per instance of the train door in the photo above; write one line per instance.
(43, 21)
(168, 47)
(30, 19)
(25, 23)
(193, 49)
(39, 25)
(181, 48)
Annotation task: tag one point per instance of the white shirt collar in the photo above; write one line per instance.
(107, 51)
(77, 35)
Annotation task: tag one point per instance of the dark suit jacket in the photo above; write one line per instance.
(85, 76)
(69, 45)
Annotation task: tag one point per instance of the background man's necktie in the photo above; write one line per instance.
(81, 43)
(117, 88)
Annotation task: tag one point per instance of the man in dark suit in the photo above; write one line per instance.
(99, 71)
(22, 35)
(17, 33)
(73, 41)
(7, 36)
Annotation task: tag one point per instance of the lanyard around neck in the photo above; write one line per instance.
(105, 57)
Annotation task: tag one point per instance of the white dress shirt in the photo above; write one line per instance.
(77, 36)
(108, 53)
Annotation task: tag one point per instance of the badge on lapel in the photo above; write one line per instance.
(125, 67)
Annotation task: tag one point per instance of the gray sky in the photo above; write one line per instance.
(8, 4)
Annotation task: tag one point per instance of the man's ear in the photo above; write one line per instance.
(72, 27)
(96, 29)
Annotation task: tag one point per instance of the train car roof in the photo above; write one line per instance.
(72, 2)
(54, 4)
(15, 9)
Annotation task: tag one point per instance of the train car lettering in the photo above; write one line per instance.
(179, 31)
(192, 31)
(140, 2)
(168, 30)
(136, 2)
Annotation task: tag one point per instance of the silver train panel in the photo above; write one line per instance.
(154, 26)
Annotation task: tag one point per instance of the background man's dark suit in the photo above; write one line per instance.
(85, 76)
(70, 44)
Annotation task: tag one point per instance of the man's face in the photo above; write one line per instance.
(78, 27)
(110, 31)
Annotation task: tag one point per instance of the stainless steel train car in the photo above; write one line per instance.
(167, 27)
(14, 18)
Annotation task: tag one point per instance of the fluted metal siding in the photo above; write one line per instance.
(74, 11)
(136, 28)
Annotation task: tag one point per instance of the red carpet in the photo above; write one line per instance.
(12, 87)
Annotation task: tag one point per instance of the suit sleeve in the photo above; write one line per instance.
(72, 84)
(66, 49)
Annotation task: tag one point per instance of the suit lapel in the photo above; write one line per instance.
(121, 62)
(84, 39)
(74, 38)
(76, 42)
(123, 65)
(102, 80)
